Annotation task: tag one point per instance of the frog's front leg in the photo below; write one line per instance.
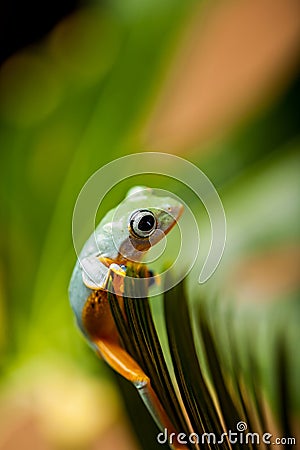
(97, 271)
(94, 272)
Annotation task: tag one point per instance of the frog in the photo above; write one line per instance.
(123, 236)
(144, 219)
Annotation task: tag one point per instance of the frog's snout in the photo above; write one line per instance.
(169, 217)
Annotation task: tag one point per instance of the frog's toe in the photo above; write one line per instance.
(118, 270)
(118, 275)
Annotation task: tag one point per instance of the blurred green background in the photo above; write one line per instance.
(217, 84)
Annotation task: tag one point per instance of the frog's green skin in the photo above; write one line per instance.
(112, 244)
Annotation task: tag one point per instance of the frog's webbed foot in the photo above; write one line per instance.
(95, 274)
(118, 274)
(117, 270)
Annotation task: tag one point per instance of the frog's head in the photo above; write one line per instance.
(152, 213)
(148, 217)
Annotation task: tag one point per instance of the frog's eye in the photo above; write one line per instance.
(142, 223)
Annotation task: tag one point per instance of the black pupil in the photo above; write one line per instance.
(146, 223)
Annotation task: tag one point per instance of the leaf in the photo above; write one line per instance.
(194, 391)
